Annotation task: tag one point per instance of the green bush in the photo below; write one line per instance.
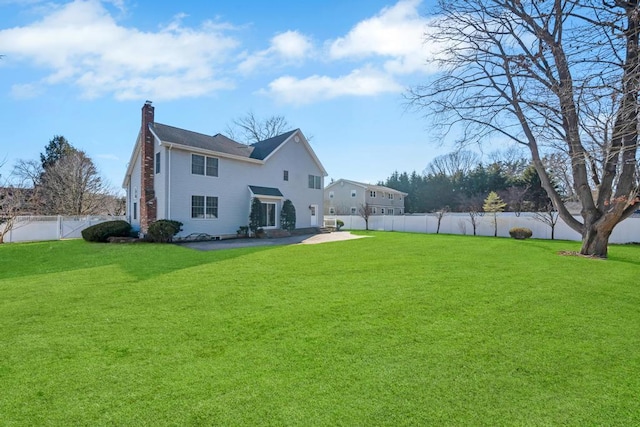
(520, 233)
(339, 224)
(101, 232)
(288, 216)
(163, 230)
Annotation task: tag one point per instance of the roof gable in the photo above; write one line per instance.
(262, 149)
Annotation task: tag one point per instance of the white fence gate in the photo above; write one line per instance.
(35, 228)
(628, 231)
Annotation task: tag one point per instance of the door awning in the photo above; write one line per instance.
(265, 191)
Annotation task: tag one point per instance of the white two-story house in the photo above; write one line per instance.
(346, 197)
(208, 182)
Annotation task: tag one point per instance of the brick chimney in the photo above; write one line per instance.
(148, 207)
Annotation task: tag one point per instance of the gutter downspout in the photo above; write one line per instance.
(169, 182)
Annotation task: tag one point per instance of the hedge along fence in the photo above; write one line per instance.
(37, 228)
(628, 231)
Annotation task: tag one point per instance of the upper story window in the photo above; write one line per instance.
(390, 196)
(353, 193)
(372, 193)
(158, 162)
(315, 182)
(204, 165)
(285, 175)
(331, 194)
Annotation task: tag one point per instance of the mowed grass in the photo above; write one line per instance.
(395, 329)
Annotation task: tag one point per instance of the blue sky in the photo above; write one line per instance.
(335, 69)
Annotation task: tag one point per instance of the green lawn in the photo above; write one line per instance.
(396, 329)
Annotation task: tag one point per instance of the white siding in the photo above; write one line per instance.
(133, 194)
(231, 188)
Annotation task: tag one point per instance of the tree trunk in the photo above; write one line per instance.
(495, 225)
(595, 241)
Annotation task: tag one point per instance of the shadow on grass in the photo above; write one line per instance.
(141, 260)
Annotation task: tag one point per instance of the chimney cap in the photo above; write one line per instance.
(147, 102)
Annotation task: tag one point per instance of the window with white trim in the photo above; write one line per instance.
(331, 194)
(332, 211)
(204, 165)
(374, 210)
(353, 193)
(372, 193)
(285, 175)
(158, 162)
(390, 196)
(354, 210)
(382, 211)
(315, 182)
(204, 207)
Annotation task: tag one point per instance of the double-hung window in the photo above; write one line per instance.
(204, 207)
(204, 165)
(315, 182)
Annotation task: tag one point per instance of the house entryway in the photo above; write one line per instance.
(314, 215)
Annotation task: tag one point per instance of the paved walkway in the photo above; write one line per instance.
(306, 239)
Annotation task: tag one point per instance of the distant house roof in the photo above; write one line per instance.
(370, 187)
(265, 191)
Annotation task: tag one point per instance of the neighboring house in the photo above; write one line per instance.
(208, 182)
(345, 197)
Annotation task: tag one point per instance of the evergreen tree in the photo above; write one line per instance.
(494, 204)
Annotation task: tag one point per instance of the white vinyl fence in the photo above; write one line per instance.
(35, 228)
(628, 231)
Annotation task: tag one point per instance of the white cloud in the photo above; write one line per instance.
(360, 82)
(396, 33)
(82, 44)
(287, 47)
(26, 91)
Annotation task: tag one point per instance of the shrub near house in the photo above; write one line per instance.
(101, 232)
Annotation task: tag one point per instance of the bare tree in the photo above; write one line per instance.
(473, 206)
(549, 217)
(451, 164)
(365, 211)
(15, 200)
(539, 73)
(515, 198)
(439, 214)
(72, 186)
(249, 129)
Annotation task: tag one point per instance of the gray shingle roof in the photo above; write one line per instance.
(265, 191)
(262, 149)
(219, 143)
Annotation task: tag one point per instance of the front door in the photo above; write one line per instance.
(314, 215)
